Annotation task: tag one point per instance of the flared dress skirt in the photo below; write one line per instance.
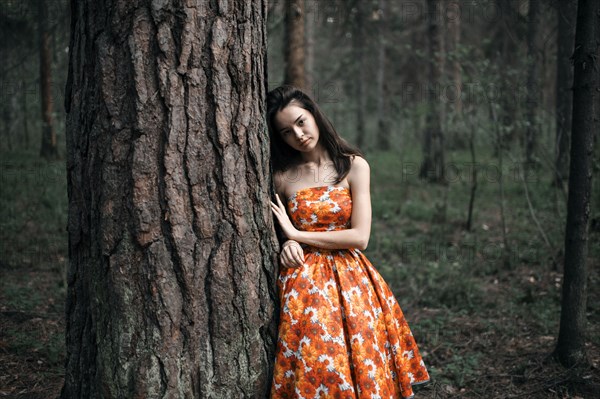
(342, 333)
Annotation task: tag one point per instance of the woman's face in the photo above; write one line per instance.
(297, 127)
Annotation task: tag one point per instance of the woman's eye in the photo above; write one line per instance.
(301, 122)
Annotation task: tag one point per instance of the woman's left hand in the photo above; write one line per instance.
(284, 221)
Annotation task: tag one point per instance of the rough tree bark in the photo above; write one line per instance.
(49, 147)
(567, 15)
(432, 166)
(570, 347)
(294, 43)
(172, 248)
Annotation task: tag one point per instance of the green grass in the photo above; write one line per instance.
(33, 211)
(33, 250)
(47, 346)
(431, 262)
(462, 301)
(21, 297)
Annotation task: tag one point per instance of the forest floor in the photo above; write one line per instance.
(485, 317)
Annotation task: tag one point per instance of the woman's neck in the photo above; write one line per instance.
(316, 157)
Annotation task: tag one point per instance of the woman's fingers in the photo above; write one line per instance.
(283, 262)
(288, 257)
(286, 261)
(279, 204)
(291, 257)
(298, 255)
(295, 254)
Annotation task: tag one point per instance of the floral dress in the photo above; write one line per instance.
(342, 333)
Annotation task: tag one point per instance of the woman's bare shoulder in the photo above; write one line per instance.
(359, 163)
(359, 171)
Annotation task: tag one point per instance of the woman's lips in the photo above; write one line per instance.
(303, 144)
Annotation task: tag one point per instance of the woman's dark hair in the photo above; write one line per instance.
(283, 156)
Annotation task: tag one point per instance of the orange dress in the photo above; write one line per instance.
(342, 333)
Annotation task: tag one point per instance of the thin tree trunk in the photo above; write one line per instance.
(570, 347)
(383, 131)
(49, 148)
(312, 13)
(7, 126)
(454, 36)
(24, 113)
(506, 249)
(532, 84)
(507, 44)
(294, 44)
(442, 80)
(472, 129)
(567, 15)
(358, 42)
(12, 121)
(172, 250)
(432, 166)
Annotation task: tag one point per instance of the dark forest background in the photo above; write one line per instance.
(464, 112)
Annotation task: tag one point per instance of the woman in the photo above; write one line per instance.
(342, 333)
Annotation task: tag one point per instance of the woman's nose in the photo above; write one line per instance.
(298, 132)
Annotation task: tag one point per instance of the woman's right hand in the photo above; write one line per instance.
(291, 255)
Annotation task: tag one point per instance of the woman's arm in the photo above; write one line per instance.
(357, 236)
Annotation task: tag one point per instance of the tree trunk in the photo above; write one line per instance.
(172, 250)
(567, 15)
(570, 348)
(509, 52)
(454, 42)
(294, 44)
(358, 44)
(432, 166)
(49, 148)
(312, 13)
(383, 130)
(454, 135)
(24, 114)
(531, 105)
(6, 119)
(12, 121)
